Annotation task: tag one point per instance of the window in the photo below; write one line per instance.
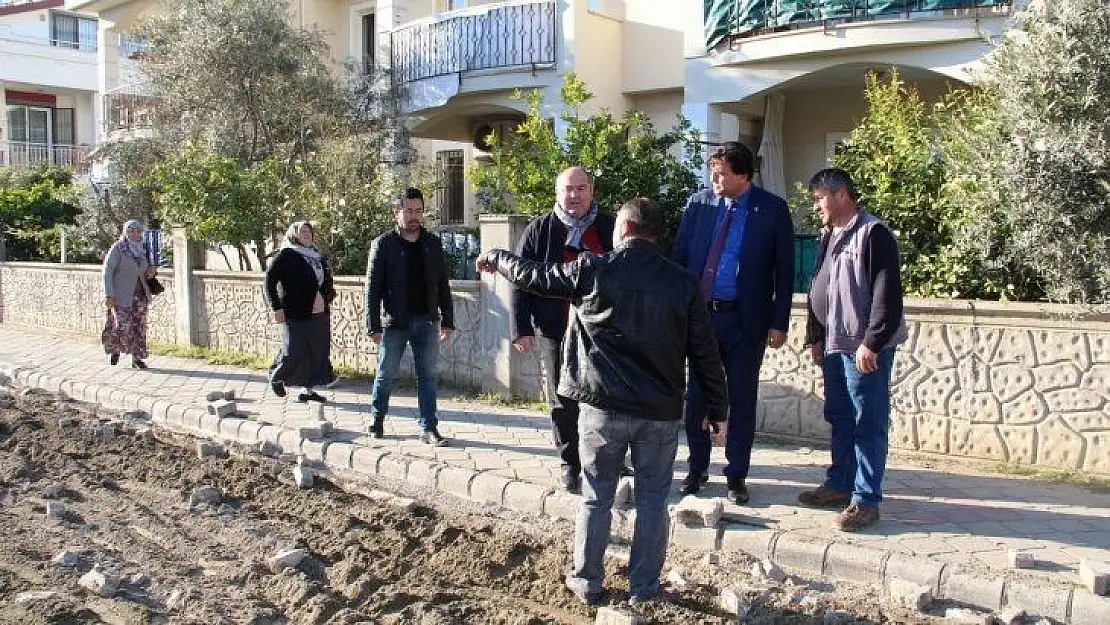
(64, 127)
(369, 33)
(70, 31)
(449, 194)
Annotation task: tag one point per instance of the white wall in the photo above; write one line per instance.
(33, 25)
(662, 108)
(597, 54)
(654, 42)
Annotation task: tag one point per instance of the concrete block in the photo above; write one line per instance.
(703, 538)
(365, 460)
(338, 455)
(525, 497)
(222, 408)
(489, 487)
(159, 410)
(561, 504)
(754, 541)
(692, 510)
(55, 509)
(210, 424)
(214, 396)
(191, 417)
(855, 563)
(1089, 609)
(314, 430)
(918, 570)
(229, 428)
(972, 589)
(1046, 600)
(101, 583)
(65, 559)
(208, 449)
(711, 559)
(767, 569)
(613, 616)
(248, 432)
(394, 467)
(268, 449)
(732, 601)
(302, 477)
(67, 422)
(1021, 559)
(206, 494)
(423, 472)
(677, 580)
(175, 414)
(800, 553)
(1095, 576)
(314, 411)
(455, 481)
(314, 450)
(287, 559)
(912, 595)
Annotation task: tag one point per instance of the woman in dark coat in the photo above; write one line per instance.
(127, 296)
(299, 290)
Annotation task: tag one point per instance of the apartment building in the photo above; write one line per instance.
(48, 65)
(785, 77)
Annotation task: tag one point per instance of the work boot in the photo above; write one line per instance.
(824, 497)
(856, 517)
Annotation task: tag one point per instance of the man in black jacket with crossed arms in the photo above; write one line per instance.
(638, 319)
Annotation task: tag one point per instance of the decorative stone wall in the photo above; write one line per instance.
(71, 297)
(1007, 382)
(230, 313)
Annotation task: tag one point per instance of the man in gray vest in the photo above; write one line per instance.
(855, 322)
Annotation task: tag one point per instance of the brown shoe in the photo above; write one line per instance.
(856, 517)
(823, 497)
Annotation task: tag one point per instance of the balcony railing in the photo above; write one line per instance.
(737, 19)
(127, 111)
(27, 154)
(493, 36)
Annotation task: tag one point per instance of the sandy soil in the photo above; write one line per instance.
(124, 494)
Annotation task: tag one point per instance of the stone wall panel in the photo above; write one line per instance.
(1058, 445)
(1090, 421)
(1010, 381)
(976, 441)
(1098, 344)
(931, 348)
(1073, 400)
(811, 418)
(972, 341)
(1097, 379)
(934, 392)
(1057, 376)
(1097, 459)
(903, 431)
(975, 407)
(932, 433)
(1055, 346)
(1016, 346)
(1021, 443)
(1027, 408)
(781, 416)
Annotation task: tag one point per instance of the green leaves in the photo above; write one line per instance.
(32, 204)
(626, 156)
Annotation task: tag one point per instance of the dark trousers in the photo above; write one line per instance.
(564, 411)
(742, 359)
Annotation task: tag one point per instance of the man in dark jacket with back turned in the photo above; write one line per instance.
(574, 226)
(638, 319)
(408, 302)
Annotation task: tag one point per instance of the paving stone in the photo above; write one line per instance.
(695, 537)
(365, 459)
(624, 495)
(268, 449)
(711, 559)
(214, 396)
(314, 411)
(1095, 576)
(394, 467)
(229, 428)
(248, 432)
(338, 455)
(732, 601)
(222, 408)
(694, 510)
(66, 559)
(1021, 559)
(1088, 608)
(423, 472)
(287, 559)
(1044, 599)
(677, 580)
(754, 541)
(30, 596)
(55, 509)
(315, 429)
(99, 582)
(525, 496)
(918, 570)
(910, 594)
(561, 504)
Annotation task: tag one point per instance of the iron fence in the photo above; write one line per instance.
(503, 35)
(27, 154)
(749, 18)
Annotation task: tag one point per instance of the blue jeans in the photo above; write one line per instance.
(603, 438)
(423, 335)
(857, 406)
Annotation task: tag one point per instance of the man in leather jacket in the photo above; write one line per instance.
(637, 319)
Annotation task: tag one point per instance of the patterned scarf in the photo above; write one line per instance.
(576, 227)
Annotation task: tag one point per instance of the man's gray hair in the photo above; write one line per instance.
(832, 180)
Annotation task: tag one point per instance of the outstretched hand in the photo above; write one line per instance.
(485, 263)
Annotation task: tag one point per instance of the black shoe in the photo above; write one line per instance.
(278, 388)
(311, 396)
(113, 359)
(376, 429)
(572, 480)
(737, 491)
(693, 482)
(432, 437)
(137, 364)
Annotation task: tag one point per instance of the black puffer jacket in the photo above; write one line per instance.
(638, 318)
(387, 303)
(298, 283)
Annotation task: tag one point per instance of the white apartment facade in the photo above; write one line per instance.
(784, 77)
(48, 65)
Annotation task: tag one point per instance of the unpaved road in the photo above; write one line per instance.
(126, 510)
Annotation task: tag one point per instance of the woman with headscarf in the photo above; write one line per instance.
(302, 305)
(125, 273)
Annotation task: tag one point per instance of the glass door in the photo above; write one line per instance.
(38, 135)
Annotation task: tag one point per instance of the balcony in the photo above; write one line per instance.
(507, 35)
(127, 112)
(26, 155)
(727, 21)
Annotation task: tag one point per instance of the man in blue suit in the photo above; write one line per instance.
(739, 240)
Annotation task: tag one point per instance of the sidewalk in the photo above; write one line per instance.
(950, 531)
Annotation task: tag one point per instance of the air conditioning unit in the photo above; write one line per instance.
(500, 127)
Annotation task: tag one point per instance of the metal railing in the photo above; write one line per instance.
(749, 18)
(27, 154)
(127, 111)
(491, 36)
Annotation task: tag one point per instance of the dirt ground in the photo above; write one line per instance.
(124, 493)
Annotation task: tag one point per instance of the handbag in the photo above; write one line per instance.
(155, 286)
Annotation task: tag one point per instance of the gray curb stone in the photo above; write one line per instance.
(1068, 604)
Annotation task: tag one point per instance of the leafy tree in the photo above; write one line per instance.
(626, 157)
(1030, 158)
(32, 204)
